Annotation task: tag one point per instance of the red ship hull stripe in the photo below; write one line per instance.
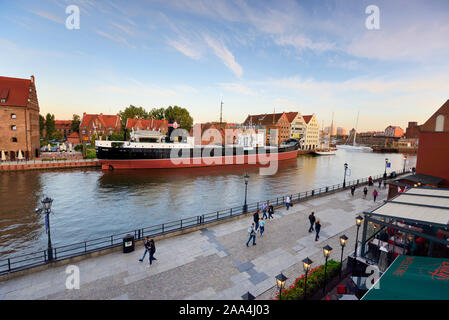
(196, 162)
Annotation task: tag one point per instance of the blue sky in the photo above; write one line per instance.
(308, 56)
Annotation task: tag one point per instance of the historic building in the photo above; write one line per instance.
(19, 119)
(271, 123)
(99, 124)
(412, 130)
(433, 149)
(297, 125)
(64, 126)
(394, 131)
(311, 138)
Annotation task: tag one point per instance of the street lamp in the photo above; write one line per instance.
(280, 282)
(386, 163)
(405, 160)
(248, 296)
(46, 204)
(344, 179)
(307, 263)
(358, 222)
(245, 206)
(327, 252)
(343, 240)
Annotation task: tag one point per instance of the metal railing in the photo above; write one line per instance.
(30, 260)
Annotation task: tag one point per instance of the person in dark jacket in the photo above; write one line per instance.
(352, 190)
(312, 221)
(317, 229)
(365, 192)
(256, 219)
(146, 244)
(270, 211)
(152, 251)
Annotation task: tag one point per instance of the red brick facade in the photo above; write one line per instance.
(278, 121)
(150, 124)
(19, 118)
(99, 124)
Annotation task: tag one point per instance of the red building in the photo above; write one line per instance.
(433, 150)
(273, 121)
(64, 126)
(412, 130)
(394, 131)
(99, 124)
(150, 124)
(74, 138)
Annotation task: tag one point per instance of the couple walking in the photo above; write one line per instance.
(150, 248)
(316, 223)
(267, 208)
(258, 224)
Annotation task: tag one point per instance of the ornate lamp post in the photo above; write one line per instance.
(405, 160)
(386, 163)
(248, 296)
(343, 240)
(46, 208)
(358, 222)
(307, 263)
(245, 206)
(327, 252)
(280, 282)
(344, 179)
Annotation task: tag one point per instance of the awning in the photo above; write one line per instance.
(413, 278)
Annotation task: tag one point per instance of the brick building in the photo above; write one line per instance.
(394, 131)
(412, 130)
(433, 150)
(64, 126)
(19, 118)
(150, 124)
(270, 122)
(99, 124)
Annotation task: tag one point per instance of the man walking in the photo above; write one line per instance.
(365, 192)
(375, 194)
(287, 202)
(264, 210)
(270, 211)
(256, 219)
(152, 251)
(252, 234)
(352, 190)
(312, 221)
(317, 229)
(147, 247)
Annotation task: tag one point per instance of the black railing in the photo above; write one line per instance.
(30, 260)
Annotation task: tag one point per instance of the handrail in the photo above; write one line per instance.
(28, 260)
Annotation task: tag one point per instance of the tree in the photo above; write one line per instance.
(157, 113)
(50, 125)
(41, 124)
(76, 123)
(132, 112)
(180, 115)
(58, 135)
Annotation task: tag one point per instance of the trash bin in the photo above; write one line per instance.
(128, 243)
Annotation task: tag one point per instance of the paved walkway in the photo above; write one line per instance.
(212, 263)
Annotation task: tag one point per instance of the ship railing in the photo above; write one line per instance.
(30, 260)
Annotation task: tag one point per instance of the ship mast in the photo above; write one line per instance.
(356, 124)
(221, 111)
(332, 130)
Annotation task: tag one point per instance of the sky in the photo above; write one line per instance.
(255, 56)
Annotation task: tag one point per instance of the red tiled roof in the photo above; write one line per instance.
(143, 124)
(15, 91)
(262, 119)
(291, 116)
(107, 121)
(307, 118)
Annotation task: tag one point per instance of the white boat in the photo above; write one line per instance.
(327, 150)
(354, 146)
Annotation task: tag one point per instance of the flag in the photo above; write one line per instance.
(388, 164)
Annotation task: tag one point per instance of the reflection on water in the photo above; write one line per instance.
(91, 203)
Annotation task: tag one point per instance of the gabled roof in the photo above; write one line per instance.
(291, 116)
(15, 91)
(107, 121)
(263, 119)
(428, 125)
(307, 118)
(63, 122)
(143, 124)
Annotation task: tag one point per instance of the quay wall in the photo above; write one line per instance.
(44, 165)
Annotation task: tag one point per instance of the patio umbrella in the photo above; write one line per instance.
(70, 147)
(3, 156)
(49, 148)
(20, 156)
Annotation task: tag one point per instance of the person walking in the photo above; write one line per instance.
(252, 234)
(352, 190)
(385, 183)
(287, 202)
(365, 192)
(312, 221)
(264, 210)
(270, 211)
(370, 181)
(380, 183)
(152, 251)
(256, 219)
(146, 244)
(262, 226)
(317, 229)
(375, 194)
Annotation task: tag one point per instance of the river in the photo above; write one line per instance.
(90, 203)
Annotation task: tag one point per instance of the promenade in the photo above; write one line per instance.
(212, 263)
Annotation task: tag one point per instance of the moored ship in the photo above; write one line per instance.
(146, 151)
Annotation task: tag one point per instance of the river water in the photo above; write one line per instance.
(90, 203)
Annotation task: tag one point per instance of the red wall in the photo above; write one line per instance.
(433, 155)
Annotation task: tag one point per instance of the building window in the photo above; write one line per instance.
(439, 123)
(13, 128)
(14, 139)
(13, 116)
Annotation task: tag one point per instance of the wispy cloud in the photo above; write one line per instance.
(115, 38)
(185, 47)
(224, 54)
(49, 16)
(238, 88)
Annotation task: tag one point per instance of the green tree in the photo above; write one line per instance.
(116, 137)
(50, 125)
(132, 112)
(75, 123)
(180, 115)
(58, 135)
(41, 124)
(157, 113)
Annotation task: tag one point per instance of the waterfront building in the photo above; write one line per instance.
(149, 125)
(74, 138)
(271, 122)
(412, 130)
(64, 126)
(341, 131)
(394, 131)
(311, 138)
(99, 124)
(433, 149)
(19, 118)
(297, 125)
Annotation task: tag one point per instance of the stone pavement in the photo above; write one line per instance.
(212, 263)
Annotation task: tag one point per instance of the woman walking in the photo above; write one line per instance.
(262, 226)
(317, 229)
(375, 194)
(264, 210)
(287, 202)
(152, 251)
(365, 192)
(270, 211)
